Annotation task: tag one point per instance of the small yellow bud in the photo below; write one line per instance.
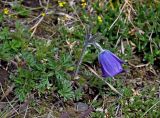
(43, 14)
(83, 1)
(6, 11)
(61, 4)
(83, 4)
(100, 19)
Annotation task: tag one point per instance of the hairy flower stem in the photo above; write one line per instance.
(82, 55)
(98, 46)
(80, 60)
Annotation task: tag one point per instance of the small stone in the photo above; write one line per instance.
(81, 106)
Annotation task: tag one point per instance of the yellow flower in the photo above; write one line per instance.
(43, 14)
(83, 4)
(6, 11)
(100, 19)
(61, 4)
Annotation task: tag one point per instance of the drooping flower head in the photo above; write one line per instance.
(111, 65)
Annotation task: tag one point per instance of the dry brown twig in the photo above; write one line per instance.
(79, 19)
(9, 111)
(34, 28)
(150, 40)
(112, 88)
(25, 114)
(128, 10)
(118, 16)
(8, 100)
(138, 66)
(7, 92)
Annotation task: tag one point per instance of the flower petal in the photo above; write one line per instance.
(111, 65)
(118, 59)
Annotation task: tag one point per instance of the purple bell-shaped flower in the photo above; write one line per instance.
(111, 65)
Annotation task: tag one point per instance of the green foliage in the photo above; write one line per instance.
(20, 10)
(97, 114)
(96, 103)
(39, 66)
(1, 17)
(66, 90)
(137, 105)
(78, 93)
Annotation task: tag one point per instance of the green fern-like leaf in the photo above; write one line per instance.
(66, 90)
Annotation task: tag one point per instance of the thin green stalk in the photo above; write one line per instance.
(149, 109)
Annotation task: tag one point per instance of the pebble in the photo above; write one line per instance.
(81, 106)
